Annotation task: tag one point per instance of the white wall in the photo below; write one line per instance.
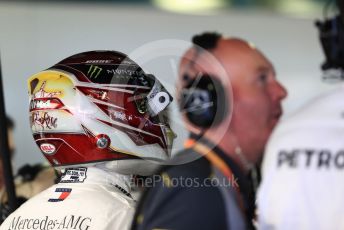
(34, 37)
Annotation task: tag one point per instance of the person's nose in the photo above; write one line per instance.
(278, 91)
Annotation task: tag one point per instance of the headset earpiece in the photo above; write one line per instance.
(203, 101)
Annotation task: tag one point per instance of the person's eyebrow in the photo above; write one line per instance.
(269, 68)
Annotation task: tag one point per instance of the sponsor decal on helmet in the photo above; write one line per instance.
(102, 141)
(98, 61)
(94, 71)
(64, 193)
(124, 73)
(48, 148)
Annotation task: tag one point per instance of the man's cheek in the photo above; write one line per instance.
(255, 106)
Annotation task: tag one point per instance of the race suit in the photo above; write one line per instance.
(303, 169)
(84, 199)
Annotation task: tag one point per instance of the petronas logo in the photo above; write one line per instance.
(94, 71)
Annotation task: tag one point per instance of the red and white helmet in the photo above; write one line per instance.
(99, 106)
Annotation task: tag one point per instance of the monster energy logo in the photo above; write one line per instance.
(94, 71)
